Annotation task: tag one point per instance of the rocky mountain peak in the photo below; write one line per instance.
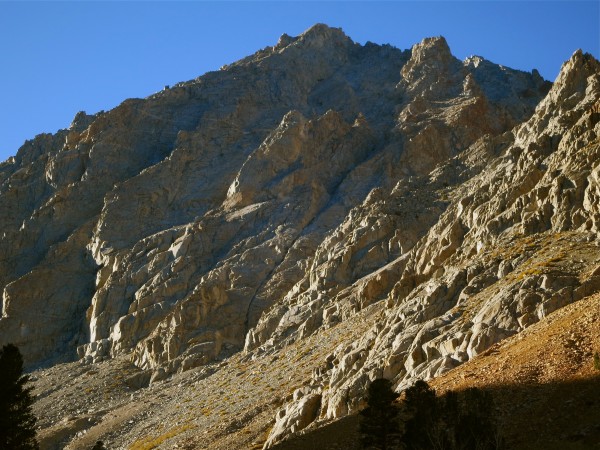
(284, 40)
(431, 54)
(570, 102)
(431, 48)
(324, 211)
(81, 121)
(317, 36)
(431, 69)
(576, 74)
(321, 33)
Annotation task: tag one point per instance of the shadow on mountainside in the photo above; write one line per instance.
(548, 416)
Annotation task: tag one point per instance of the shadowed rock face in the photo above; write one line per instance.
(254, 206)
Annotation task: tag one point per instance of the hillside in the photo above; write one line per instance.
(233, 259)
(543, 382)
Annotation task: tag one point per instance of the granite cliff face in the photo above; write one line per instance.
(449, 203)
(517, 241)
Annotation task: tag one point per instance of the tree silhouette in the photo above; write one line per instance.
(421, 430)
(99, 446)
(379, 427)
(456, 420)
(17, 422)
(475, 426)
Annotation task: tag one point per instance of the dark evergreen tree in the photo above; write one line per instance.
(475, 426)
(463, 420)
(99, 446)
(421, 429)
(379, 427)
(17, 422)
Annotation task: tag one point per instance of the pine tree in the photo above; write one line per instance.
(421, 431)
(463, 420)
(99, 446)
(17, 422)
(379, 427)
(476, 426)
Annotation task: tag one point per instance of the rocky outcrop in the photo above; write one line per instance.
(254, 207)
(176, 221)
(296, 416)
(517, 241)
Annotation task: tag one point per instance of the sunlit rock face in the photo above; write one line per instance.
(254, 206)
(258, 205)
(517, 238)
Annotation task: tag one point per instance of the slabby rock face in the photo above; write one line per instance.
(252, 207)
(518, 240)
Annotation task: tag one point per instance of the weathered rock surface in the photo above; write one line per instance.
(186, 215)
(517, 241)
(255, 207)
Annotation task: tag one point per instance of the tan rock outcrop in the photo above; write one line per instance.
(517, 241)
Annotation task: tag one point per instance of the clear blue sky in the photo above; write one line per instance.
(57, 58)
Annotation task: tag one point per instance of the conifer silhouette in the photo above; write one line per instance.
(456, 420)
(17, 422)
(379, 427)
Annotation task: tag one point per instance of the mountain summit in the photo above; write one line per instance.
(321, 213)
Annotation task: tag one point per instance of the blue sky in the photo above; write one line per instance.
(57, 58)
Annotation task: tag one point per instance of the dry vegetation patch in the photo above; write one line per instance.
(543, 380)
